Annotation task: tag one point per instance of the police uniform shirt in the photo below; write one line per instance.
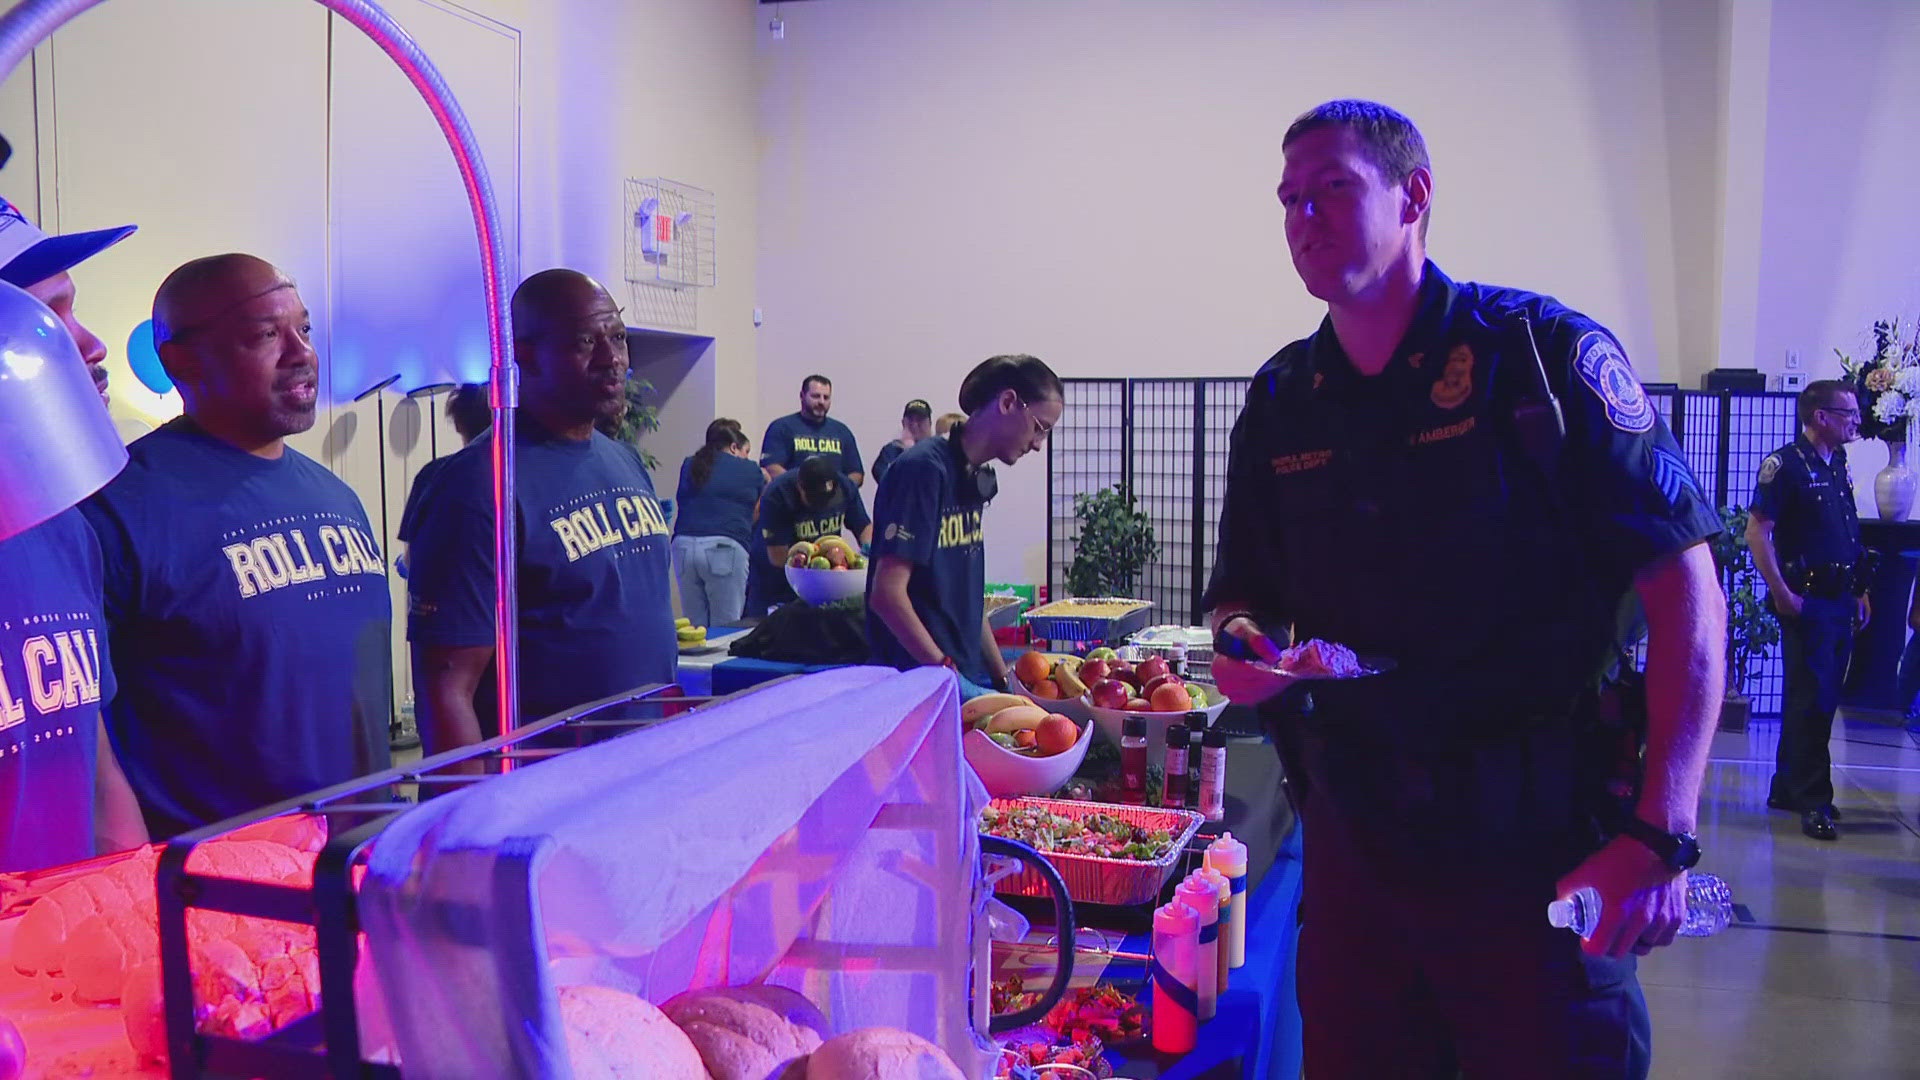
(929, 512)
(793, 439)
(594, 565)
(1402, 516)
(785, 520)
(54, 673)
(250, 627)
(1811, 505)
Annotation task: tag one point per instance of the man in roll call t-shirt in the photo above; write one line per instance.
(246, 595)
(63, 797)
(811, 502)
(594, 566)
(798, 436)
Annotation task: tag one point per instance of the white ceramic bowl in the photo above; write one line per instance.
(1010, 775)
(1109, 721)
(818, 587)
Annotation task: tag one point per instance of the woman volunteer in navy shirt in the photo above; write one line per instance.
(719, 490)
(926, 595)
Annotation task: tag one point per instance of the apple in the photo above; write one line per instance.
(1103, 653)
(1109, 694)
(1164, 680)
(837, 555)
(1094, 671)
(799, 559)
(818, 563)
(1138, 705)
(1152, 668)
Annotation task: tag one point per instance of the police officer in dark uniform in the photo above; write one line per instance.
(1805, 536)
(1404, 482)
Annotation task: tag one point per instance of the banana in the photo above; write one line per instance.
(1023, 717)
(981, 709)
(1068, 680)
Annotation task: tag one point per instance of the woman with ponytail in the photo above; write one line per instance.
(926, 593)
(719, 487)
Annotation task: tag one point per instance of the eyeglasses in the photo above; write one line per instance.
(1842, 412)
(1042, 430)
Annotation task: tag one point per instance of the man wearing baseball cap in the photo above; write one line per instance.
(916, 423)
(39, 263)
(62, 795)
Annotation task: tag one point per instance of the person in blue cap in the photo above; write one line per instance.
(1468, 481)
(246, 593)
(63, 796)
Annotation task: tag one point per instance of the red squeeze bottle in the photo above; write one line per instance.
(1133, 760)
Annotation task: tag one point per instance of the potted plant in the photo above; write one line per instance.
(1115, 543)
(1752, 628)
(640, 417)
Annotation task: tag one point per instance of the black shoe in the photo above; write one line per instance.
(1817, 825)
(1832, 811)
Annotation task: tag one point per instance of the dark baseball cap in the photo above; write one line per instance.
(919, 409)
(29, 256)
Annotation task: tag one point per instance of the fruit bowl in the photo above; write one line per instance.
(1007, 774)
(1075, 709)
(1110, 720)
(822, 587)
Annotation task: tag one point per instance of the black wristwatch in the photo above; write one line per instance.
(1678, 850)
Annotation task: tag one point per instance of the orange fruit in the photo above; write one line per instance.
(1169, 697)
(1056, 734)
(1031, 668)
(1045, 688)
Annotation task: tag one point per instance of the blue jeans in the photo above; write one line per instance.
(712, 571)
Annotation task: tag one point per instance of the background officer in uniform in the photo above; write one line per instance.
(1398, 483)
(1805, 536)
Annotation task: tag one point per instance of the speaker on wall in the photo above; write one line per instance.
(1743, 380)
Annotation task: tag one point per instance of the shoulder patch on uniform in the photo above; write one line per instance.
(1673, 476)
(1769, 468)
(1605, 370)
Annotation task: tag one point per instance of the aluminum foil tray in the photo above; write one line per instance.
(1094, 880)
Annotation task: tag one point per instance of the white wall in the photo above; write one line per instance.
(1093, 183)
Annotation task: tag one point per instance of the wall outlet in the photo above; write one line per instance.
(1793, 360)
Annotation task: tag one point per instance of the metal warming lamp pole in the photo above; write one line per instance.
(33, 21)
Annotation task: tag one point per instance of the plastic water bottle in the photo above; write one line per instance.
(1709, 908)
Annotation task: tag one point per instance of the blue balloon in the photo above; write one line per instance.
(144, 358)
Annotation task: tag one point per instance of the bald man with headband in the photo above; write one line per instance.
(246, 595)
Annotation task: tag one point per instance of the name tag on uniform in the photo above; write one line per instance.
(1301, 462)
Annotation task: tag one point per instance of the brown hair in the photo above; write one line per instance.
(1387, 137)
(1819, 394)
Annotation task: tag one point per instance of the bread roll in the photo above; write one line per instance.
(613, 1035)
(880, 1054)
(743, 1033)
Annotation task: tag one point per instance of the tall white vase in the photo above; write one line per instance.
(1894, 486)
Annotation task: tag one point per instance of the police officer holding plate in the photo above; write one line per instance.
(1469, 482)
(1805, 536)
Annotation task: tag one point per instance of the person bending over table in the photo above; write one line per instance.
(926, 592)
(595, 613)
(809, 503)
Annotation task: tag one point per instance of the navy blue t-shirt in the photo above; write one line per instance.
(886, 457)
(723, 506)
(793, 439)
(250, 628)
(594, 566)
(784, 520)
(928, 511)
(410, 513)
(54, 673)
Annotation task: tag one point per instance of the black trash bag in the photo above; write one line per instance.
(799, 633)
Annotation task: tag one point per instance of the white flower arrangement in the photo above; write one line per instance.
(1888, 384)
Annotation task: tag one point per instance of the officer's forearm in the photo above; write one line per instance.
(1686, 680)
(1765, 558)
